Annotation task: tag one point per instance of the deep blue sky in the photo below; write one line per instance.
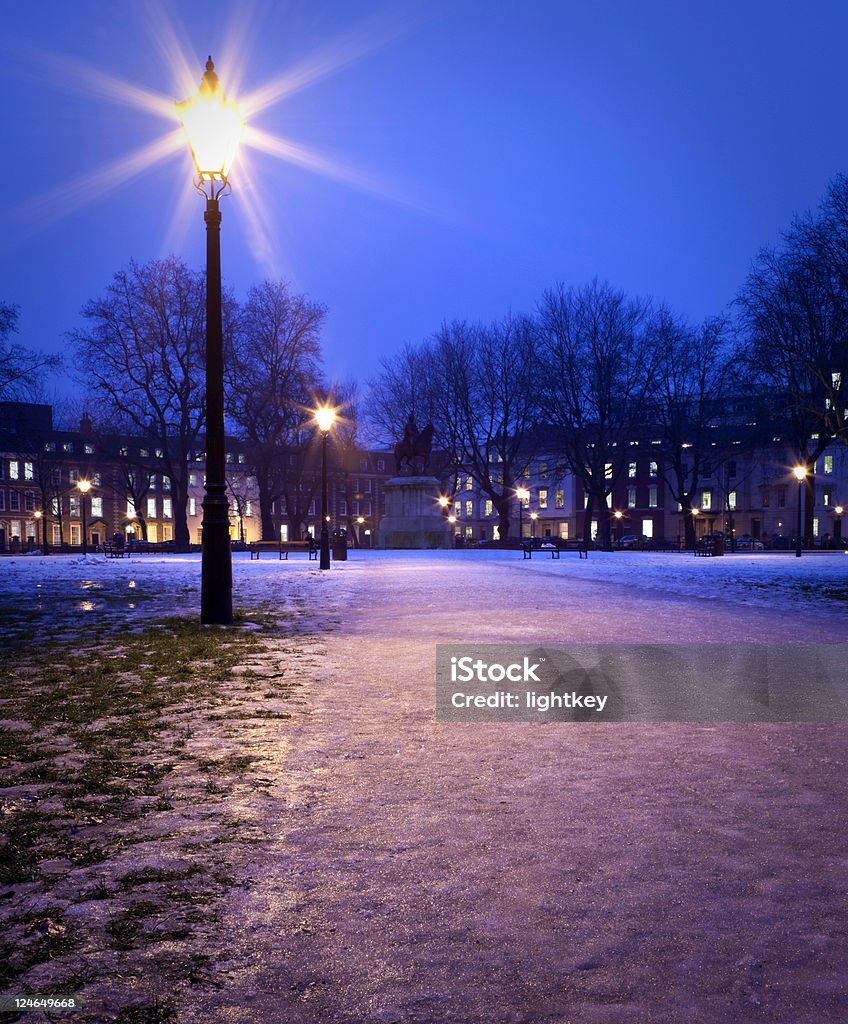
(655, 144)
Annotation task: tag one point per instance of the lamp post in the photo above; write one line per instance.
(837, 525)
(40, 517)
(800, 473)
(618, 515)
(325, 418)
(523, 496)
(213, 127)
(533, 517)
(84, 486)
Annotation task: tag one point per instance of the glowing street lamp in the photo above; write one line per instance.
(325, 418)
(523, 496)
(533, 517)
(40, 516)
(213, 127)
(84, 486)
(800, 474)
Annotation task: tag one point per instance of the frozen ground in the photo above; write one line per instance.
(420, 872)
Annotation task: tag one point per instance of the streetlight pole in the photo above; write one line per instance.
(42, 518)
(800, 473)
(213, 126)
(533, 517)
(837, 525)
(325, 418)
(84, 486)
(523, 495)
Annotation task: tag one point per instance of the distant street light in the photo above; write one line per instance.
(523, 496)
(837, 524)
(40, 516)
(213, 127)
(533, 517)
(84, 486)
(800, 473)
(325, 418)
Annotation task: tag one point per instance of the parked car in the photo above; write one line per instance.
(748, 543)
(629, 540)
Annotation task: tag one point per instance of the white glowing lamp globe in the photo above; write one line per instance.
(325, 418)
(213, 127)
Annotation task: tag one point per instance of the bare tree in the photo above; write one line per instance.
(796, 326)
(688, 404)
(22, 370)
(142, 353)
(599, 370)
(486, 404)
(273, 368)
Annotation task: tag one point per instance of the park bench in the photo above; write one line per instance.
(112, 550)
(709, 546)
(256, 547)
(555, 545)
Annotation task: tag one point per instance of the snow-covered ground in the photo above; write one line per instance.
(608, 596)
(412, 871)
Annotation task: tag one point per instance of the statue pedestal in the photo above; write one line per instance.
(413, 517)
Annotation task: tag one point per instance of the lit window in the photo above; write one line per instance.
(543, 497)
(242, 458)
(653, 470)
(50, 446)
(652, 497)
(731, 500)
(487, 508)
(130, 508)
(706, 500)
(826, 498)
(67, 446)
(28, 474)
(13, 470)
(95, 479)
(97, 508)
(559, 498)
(151, 508)
(607, 471)
(647, 528)
(167, 508)
(89, 449)
(166, 483)
(75, 506)
(469, 483)
(54, 506)
(457, 508)
(631, 469)
(192, 479)
(631, 497)
(192, 506)
(123, 451)
(828, 463)
(159, 453)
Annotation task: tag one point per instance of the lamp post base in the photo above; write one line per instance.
(216, 586)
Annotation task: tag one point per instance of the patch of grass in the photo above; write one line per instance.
(107, 725)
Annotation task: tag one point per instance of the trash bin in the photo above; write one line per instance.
(339, 545)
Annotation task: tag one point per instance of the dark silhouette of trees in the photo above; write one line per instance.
(22, 370)
(142, 355)
(273, 369)
(688, 404)
(599, 367)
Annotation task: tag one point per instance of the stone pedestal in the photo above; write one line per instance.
(413, 516)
